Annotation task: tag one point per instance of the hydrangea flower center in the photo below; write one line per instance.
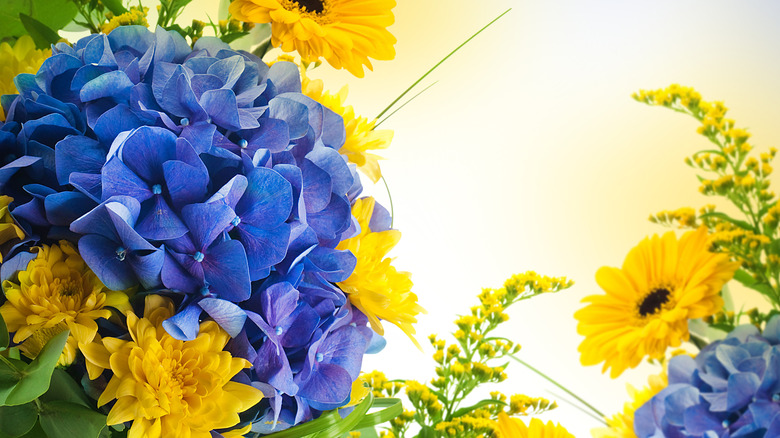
(121, 253)
(315, 6)
(653, 302)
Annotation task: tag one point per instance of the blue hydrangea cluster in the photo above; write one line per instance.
(731, 389)
(203, 174)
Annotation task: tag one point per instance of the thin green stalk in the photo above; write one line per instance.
(438, 64)
(404, 104)
(549, 379)
(390, 197)
(581, 409)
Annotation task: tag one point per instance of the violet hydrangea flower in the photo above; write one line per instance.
(731, 389)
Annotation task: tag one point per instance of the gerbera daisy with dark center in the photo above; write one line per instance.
(344, 32)
(663, 283)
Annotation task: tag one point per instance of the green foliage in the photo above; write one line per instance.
(41, 35)
(4, 337)
(62, 419)
(442, 407)
(16, 421)
(52, 14)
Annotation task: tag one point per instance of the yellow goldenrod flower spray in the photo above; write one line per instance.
(443, 408)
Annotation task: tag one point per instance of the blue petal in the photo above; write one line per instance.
(285, 77)
(264, 248)
(100, 219)
(229, 316)
(331, 221)
(118, 179)
(186, 184)
(118, 119)
(295, 114)
(98, 51)
(17, 263)
(226, 270)
(158, 221)
(114, 84)
(184, 325)
(146, 148)
(228, 70)
(100, 254)
(742, 387)
(77, 153)
(335, 164)
(317, 188)
(274, 368)
(267, 201)
(65, 207)
(206, 222)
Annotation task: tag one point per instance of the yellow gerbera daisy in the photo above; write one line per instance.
(621, 425)
(361, 136)
(663, 283)
(168, 387)
(375, 286)
(344, 32)
(57, 291)
(10, 233)
(22, 57)
(509, 427)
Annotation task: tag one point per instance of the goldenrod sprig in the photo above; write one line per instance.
(729, 171)
(442, 408)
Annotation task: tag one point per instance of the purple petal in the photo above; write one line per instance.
(206, 222)
(274, 368)
(146, 148)
(327, 384)
(186, 184)
(118, 180)
(264, 248)
(295, 114)
(77, 153)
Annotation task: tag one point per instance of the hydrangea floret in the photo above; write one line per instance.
(731, 389)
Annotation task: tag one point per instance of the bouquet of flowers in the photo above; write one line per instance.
(185, 251)
(671, 290)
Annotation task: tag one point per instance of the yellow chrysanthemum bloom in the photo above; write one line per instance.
(361, 136)
(509, 427)
(168, 387)
(56, 292)
(375, 286)
(23, 57)
(664, 282)
(9, 231)
(621, 425)
(344, 32)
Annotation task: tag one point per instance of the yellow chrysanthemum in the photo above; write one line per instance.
(621, 425)
(168, 387)
(9, 231)
(23, 57)
(509, 427)
(663, 283)
(57, 291)
(361, 136)
(375, 286)
(344, 32)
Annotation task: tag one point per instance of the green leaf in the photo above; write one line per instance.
(723, 216)
(229, 38)
(54, 14)
(115, 6)
(42, 35)
(427, 432)
(64, 388)
(16, 421)
(329, 425)
(9, 377)
(37, 375)
(748, 281)
(5, 338)
(350, 421)
(35, 432)
(61, 419)
(392, 408)
(477, 405)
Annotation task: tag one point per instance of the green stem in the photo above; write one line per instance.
(583, 410)
(390, 197)
(438, 64)
(404, 104)
(549, 379)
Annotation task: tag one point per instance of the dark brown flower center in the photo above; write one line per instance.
(653, 301)
(315, 6)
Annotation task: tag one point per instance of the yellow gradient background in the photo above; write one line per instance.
(529, 154)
